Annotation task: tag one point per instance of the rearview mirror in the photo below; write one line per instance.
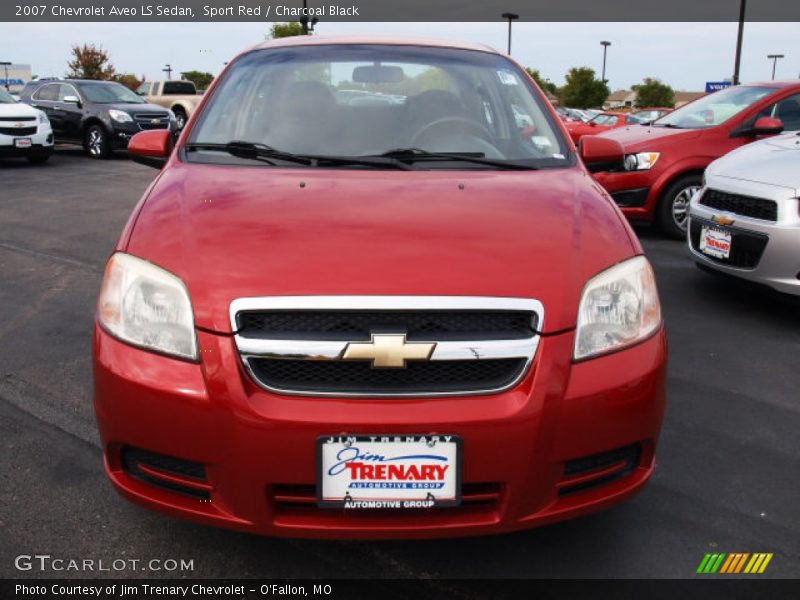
(600, 154)
(767, 126)
(151, 148)
(378, 74)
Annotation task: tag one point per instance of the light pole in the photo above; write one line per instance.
(307, 29)
(168, 70)
(605, 46)
(5, 68)
(738, 60)
(774, 58)
(511, 18)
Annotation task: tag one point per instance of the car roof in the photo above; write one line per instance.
(322, 40)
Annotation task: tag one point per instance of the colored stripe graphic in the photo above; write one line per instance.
(734, 563)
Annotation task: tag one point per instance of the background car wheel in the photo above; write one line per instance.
(180, 118)
(96, 142)
(38, 160)
(673, 209)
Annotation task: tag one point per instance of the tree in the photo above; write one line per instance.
(129, 80)
(282, 30)
(547, 86)
(90, 62)
(654, 93)
(583, 89)
(200, 79)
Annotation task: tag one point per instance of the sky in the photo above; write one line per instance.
(684, 55)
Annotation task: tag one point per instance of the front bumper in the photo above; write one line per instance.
(41, 144)
(258, 448)
(632, 191)
(779, 263)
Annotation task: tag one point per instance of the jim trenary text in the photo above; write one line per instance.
(123, 590)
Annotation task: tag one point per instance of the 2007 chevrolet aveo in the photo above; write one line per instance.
(375, 292)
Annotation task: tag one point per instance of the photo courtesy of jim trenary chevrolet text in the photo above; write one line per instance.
(399, 299)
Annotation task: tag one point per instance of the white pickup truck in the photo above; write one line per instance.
(179, 96)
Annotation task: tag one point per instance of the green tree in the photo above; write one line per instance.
(129, 80)
(200, 79)
(654, 93)
(583, 89)
(90, 62)
(282, 30)
(547, 86)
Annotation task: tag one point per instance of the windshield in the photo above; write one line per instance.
(109, 93)
(5, 97)
(602, 119)
(715, 108)
(367, 100)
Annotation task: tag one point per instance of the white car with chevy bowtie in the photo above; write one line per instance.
(24, 131)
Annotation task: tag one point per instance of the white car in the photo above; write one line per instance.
(745, 221)
(24, 130)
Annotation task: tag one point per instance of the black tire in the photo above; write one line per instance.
(180, 118)
(672, 212)
(38, 160)
(96, 142)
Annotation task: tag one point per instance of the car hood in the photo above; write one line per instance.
(234, 232)
(145, 108)
(772, 162)
(18, 110)
(636, 137)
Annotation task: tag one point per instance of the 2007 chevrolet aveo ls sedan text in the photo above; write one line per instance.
(374, 292)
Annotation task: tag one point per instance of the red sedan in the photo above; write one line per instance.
(665, 161)
(599, 124)
(377, 319)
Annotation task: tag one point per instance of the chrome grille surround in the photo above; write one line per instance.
(326, 350)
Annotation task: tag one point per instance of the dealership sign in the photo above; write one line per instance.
(715, 86)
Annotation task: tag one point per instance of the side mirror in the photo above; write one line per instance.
(151, 148)
(767, 126)
(72, 100)
(601, 154)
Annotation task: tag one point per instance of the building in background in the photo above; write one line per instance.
(14, 77)
(626, 99)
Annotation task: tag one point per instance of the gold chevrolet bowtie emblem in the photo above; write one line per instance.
(722, 220)
(388, 350)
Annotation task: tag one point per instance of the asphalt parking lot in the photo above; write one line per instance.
(728, 462)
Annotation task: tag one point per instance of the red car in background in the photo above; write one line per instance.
(599, 124)
(384, 319)
(665, 161)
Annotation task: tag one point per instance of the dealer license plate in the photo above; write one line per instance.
(389, 471)
(23, 143)
(715, 242)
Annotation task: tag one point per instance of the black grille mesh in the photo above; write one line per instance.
(133, 457)
(746, 247)
(358, 377)
(18, 131)
(758, 208)
(358, 325)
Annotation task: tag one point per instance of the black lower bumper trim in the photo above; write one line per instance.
(631, 198)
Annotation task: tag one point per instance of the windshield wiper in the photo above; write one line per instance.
(268, 154)
(412, 155)
(668, 125)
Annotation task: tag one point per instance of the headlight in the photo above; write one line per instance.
(120, 116)
(641, 161)
(43, 118)
(171, 115)
(618, 308)
(146, 306)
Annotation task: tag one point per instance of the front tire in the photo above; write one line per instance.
(180, 118)
(673, 209)
(97, 143)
